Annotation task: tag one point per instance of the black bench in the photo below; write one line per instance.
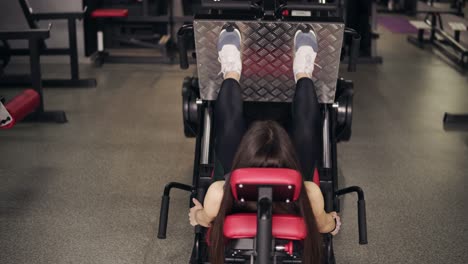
(29, 105)
(71, 50)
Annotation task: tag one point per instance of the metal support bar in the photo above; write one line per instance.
(23, 80)
(453, 42)
(457, 35)
(48, 51)
(151, 19)
(205, 147)
(433, 26)
(35, 66)
(25, 34)
(421, 36)
(326, 139)
(58, 15)
(264, 225)
(73, 47)
(333, 147)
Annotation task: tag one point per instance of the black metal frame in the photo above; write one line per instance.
(328, 185)
(35, 38)
(449, 45)
(204, 160)
(71, 51)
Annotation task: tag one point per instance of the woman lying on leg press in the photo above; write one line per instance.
(266, 144)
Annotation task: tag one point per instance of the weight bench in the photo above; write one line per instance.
(457, 28)
(101, 15)
(29, 105)
(71, 50)
(422, 27)
(106, 16)
(448, 44)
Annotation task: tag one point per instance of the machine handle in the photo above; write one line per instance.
(354, 52)
(354, 49)
(164, 213)
(182, 45)
(362, 224)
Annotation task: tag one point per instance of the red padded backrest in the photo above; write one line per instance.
(286, 183)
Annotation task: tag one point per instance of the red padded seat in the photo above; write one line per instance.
(109, 13)
(285, 226)
(241, 179)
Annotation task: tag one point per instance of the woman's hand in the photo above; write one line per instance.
(193, 211)
(337, 219)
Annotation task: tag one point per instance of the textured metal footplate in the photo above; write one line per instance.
(267, 55)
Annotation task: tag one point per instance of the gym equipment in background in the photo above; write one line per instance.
(133, 31)
(407, 7)
(268, 26)
(361, 15)
(72, 50)
(29, 105)
(455, 122)
(447, 30)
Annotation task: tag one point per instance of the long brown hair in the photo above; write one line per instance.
(266, 144)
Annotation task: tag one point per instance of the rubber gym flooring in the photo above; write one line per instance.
(89, 191)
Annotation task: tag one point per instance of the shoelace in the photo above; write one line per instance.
(309, 58)
(229, 60)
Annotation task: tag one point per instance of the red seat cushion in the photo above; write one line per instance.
(266, 176)
(285, 226)
(103, 13)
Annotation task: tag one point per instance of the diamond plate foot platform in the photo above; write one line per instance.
(267, 55)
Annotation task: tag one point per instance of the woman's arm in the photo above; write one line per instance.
(199, 215)
(325, 221)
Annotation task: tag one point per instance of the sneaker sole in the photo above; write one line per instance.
(300, 31)
(235, 30)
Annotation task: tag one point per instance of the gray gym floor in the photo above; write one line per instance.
(89, 191)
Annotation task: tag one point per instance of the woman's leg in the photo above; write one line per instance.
(229, 125)
(306, 130)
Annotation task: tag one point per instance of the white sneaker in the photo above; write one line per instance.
(306, 47)
(229, 50)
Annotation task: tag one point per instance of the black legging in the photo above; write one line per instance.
(230, 125)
